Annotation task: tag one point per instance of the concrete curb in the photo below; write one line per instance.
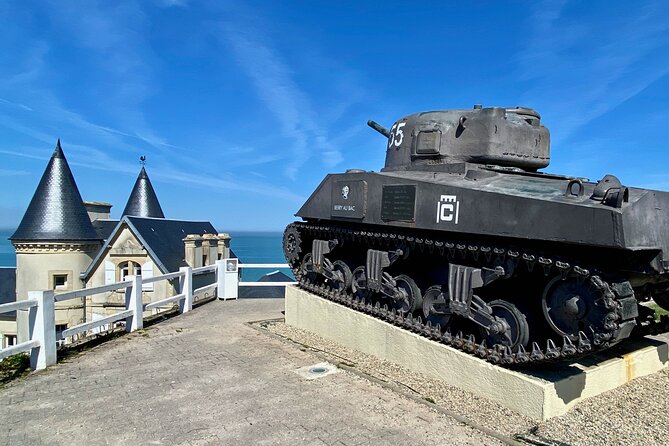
(538, 393)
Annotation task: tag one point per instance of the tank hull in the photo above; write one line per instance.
(522, 209)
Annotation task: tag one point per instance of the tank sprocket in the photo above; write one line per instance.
(292, 244)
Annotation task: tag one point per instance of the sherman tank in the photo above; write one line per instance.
(461, 238)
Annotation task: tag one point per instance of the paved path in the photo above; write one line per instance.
(206, 378)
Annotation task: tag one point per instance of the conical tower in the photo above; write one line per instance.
(54, 242)
(143, 201)
(56, 211)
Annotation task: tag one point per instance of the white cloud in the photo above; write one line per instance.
(172, 3)
(114, 35)
(22, 154)
(225, 183)
(580, 68)
(12, 173)
(16, 104)
(274, 82)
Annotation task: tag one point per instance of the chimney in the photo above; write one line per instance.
(209, 249)
(223, 246)
(97, 210)
(193, 250)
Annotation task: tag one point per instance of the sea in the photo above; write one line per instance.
(7, 253)
(258, 247)
(250, 247)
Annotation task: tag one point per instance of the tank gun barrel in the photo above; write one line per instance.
(379, 128)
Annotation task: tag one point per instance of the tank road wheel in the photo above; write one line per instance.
(344, 277)
(518, 332)
(434, 306)
(572, 305)
(359, 283)
(291, 244)
(410, 299)
(307, 269)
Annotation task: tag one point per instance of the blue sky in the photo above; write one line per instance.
(242, 107)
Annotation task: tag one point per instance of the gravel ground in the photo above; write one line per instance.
(634, 414)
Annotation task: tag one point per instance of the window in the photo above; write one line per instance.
(129, 268)
(9, 341)
(59, 281)
(60, 328)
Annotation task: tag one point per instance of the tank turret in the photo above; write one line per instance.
(436, 140)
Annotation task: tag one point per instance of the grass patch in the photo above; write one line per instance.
(14, 367)
(142, 332)
(659, 311)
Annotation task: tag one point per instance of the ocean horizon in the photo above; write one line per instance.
(249, 246)
(7, 253)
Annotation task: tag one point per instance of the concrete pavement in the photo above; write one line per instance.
(206, 378)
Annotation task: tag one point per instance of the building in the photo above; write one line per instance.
(64, 243)
(7, 295)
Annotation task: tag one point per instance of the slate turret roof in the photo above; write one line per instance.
(143, 201)
(56, 211)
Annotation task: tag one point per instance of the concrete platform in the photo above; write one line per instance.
(207, 378)
(538, 393)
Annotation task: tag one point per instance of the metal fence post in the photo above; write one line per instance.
(133, 301)
(42, 327)
(227, 276)
(186, 288)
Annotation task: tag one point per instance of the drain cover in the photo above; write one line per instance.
(316, 371)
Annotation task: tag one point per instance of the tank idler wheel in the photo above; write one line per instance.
(291, 244)
(571, 305)
(307, 269)
(410, 299)
(518, 332)
(434, 306)
(359, 283)
(344, 277)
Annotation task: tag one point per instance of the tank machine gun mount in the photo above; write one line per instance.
(462, 239)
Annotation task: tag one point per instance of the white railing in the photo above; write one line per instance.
(31, 305)
(42, 315)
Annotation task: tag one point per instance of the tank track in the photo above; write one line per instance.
(613, 294)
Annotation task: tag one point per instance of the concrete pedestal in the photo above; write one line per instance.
(539, 393)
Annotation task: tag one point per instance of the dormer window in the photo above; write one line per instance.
(129, 268)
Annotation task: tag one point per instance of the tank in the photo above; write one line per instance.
(462, 239)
